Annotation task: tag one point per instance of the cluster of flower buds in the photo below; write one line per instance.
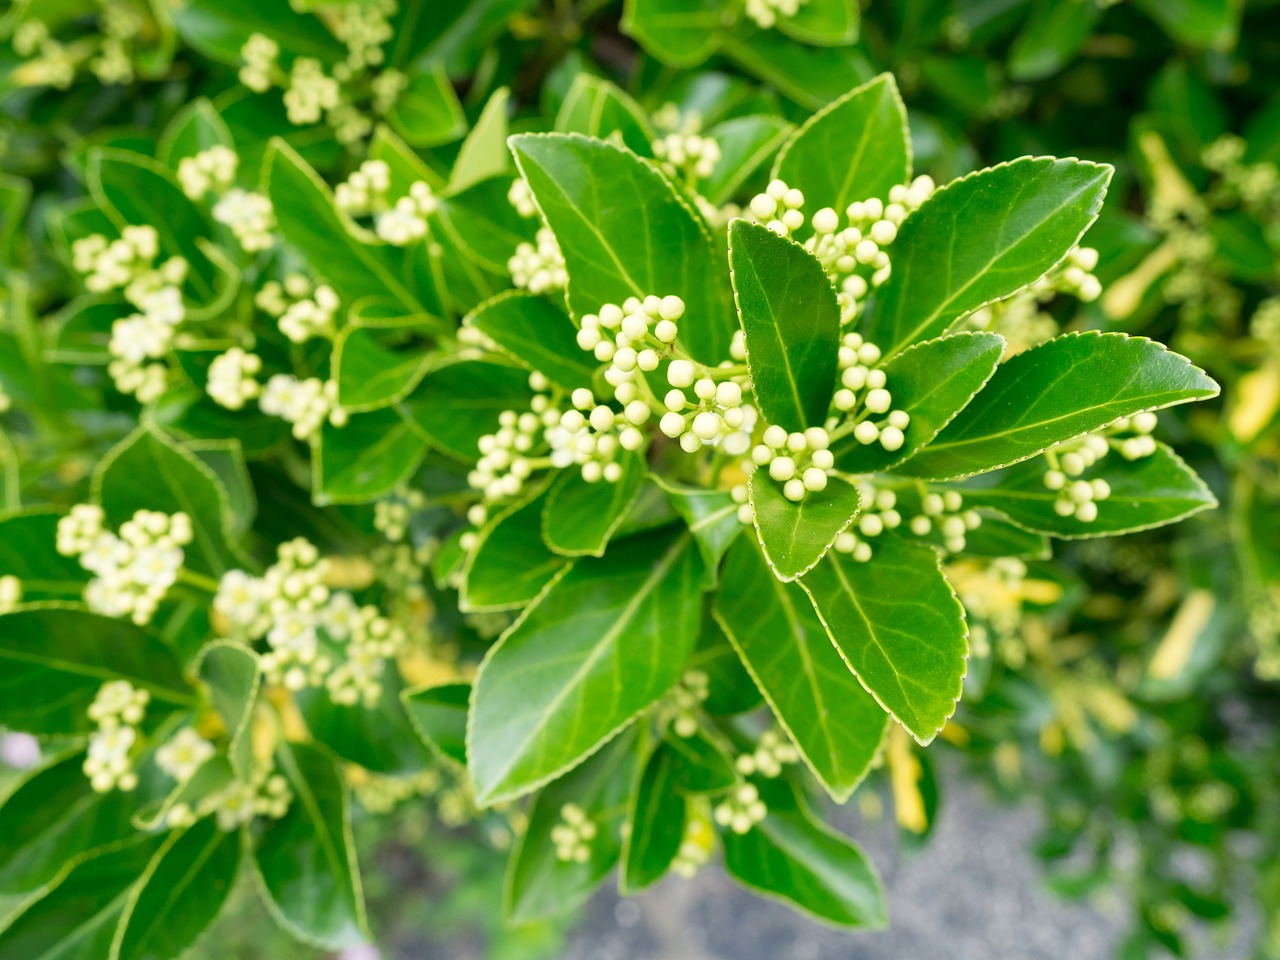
(692, 155)
(680, 706)
(259, 54)
(946, 512)
(742, 809)
(10, 592)
(801, 462)
(48, 61)
(715, 416)
(574, 834)
(540, 268)
(879, 513)
(633, 338)
(765, 13)
(391, 515)
(521, 198)
(317, 637)
(265, 794)
(863, 395)
(313, 316)
(132, 571)
(364, 28)
(366, 193)
(590, 435)
(698, 841)
(183, 754)
(209, 171)
(232, 378)
(1022, 320)
(772, 753)
(117, 710)
(251, 218)
(504, 463)
(311, 92)
(306, 404)
(779, 208)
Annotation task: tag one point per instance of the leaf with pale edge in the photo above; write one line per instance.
(538, 334)
(510, 563)
(712, 516)
(795, 535)
(439, 714)
(580, 517)
(655, 825)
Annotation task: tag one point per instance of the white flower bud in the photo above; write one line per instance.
(681, 373)
(672, 424)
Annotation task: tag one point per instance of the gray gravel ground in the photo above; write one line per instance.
(973, 893)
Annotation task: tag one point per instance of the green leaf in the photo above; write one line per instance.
(604, 642)
(484, 153)
(427, 112)
(55, 659)
(439, 714)
(49, 824)
(698, 765)
(932, 382)
(380, 738)
(605, 206)
(219, 29)
(898, 625)
(483, 227)
(730, 688)
(811, 76)
(230, 670)
(538, 884)
(194, 129)
(827, 23)
(458, 403)
(796, 535)
(84, 331)
(27, 552)
(180, 895)
(356, 267)
(227, 460)
(133, 189)
(853, 149)
(1051, 38)
(681, 33)
(596, 108)
(307, 858)
(832, 721)
(745, 144)
(712, 516)
(792, 325)
(537, 334)
(148, 470)
(791, 857)
(1148, 492)
(982, 238)
(77, 919)
(655, 825)
(580, 517)
(1062, 389)
(1205, 24)
(373, 454)
(511, 563)
(371, 376)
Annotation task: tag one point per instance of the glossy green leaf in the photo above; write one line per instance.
(1148, 492)
(596, 108)
(27, 552)
(483, 227)
(932, 382)
(608, 253)
(149, 470)
(1059, 390)
(606, 640)
(458, 403)
(792, 857)
(539, 885)
(77, 920)
(1209, 24)
(698, 765)
(371, 376)
(368, 457)
(220, 28)
(712, 517)
(1051, 37)
(982, 238)
(538, 334)
(511, 563)
(898, 625)
(823, 22)
(55, 659)
(226, 458)
(796, 535)
(381, 738)
(681, 33)
(484, 153)
(307, 859)
(580, 517)
(730, 688)
(180, 895)
(853, 149)
(231, 672)
(356, 267)
(655, 825)
(745, 144)
(811, 76)
(84, 331)
(791, 321)
(832, 721)
(439, 714)
(427, 112)
(195, 128)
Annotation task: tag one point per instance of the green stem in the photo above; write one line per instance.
(198, 580)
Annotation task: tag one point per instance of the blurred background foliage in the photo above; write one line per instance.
(1127, 686)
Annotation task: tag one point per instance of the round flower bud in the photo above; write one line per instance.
(674, 400)
(612, 472)
(900, 419)
(671, 308)
(763, 206)
(815, 479)
(672, 424)
(782, 468)
(581, 397)
(625, 358)
(635, 326)
(592, 471)
(891, 438)
(637, 412)
(728, 394)
(826, 220)
(602, 419)
(878, 400)
(775, 436)
(648, 360)
(823, 459)
(793, 490)
(588, 337)
(611, 315)
(681, 373)
(705, 388)
(631, 439)
(666, 331)
(883, 232)
(706, 425)
(690, 442)
(866, 432)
